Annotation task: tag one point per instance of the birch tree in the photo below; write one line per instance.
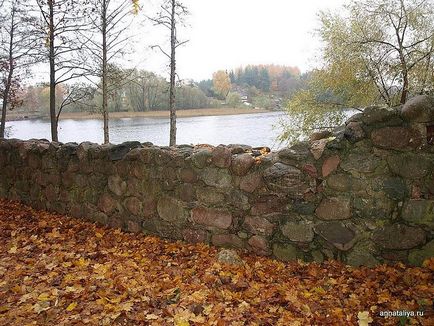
(60, 24)
(110, 20)
(171, 15)
(18, 49)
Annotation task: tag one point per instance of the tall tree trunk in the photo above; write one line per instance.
(4, 105)
(104, 72)
(172, 77)
(54, 135)
(10, 74)
(404, 93)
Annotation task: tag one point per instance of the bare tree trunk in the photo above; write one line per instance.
(54, 135)
(404, 93)
(172, 107)
(4, 105)
(9, 79)
(104, 72)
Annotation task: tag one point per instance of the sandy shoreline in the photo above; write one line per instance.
(150, 114)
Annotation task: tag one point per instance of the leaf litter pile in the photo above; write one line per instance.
(56, 270)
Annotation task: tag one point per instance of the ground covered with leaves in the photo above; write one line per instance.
(55, 270)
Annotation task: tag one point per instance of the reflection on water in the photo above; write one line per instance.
(251, 129)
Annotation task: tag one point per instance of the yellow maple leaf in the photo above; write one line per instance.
(40, 307)
(67, 264)
(71, 306)
(319, 290)
(13, 250)
(363, 318)
(3, 309)
(151, 317)
(81, 262)
(127, 306)
(53, 234)
(181, 322)
(44, 297)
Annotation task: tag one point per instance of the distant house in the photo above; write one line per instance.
(187, 82)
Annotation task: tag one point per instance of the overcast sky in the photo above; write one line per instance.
(226, 34)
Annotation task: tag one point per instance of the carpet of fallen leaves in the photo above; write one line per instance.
(55, 270)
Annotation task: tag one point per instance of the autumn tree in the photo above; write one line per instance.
(221, 83)
(60, 24)
(171, 15)
(18, 48)
(106, 42)
(374, 52)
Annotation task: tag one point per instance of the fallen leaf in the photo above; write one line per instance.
(363, 318)
(71, 306)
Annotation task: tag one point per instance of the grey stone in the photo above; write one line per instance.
(258, 225)
(107, 203)
(171, 210)
(288, 155)
(303, 207)
(268, 204)
(133, 205)
(211, 217)
(221, 157)
(227, 256)
(320, 135)
(334, 208)
(83, 150)
(209, 195)
(117, 152)
(227, 240)
(251, 182)
(317, 256)
(194, 235)
(239, 148)
(117, 185)
(396, 138)
(375, 114)
(298, 232)
(238, 200)
(419, 211)
(186, 192)
(399, 237)
(242, 163)
(285, 178)
(284, 252)
(362, 254)
(215, 177)
(259, 245)
(354, 131)
(360, 162)
(395, 188)
(336, 234)
(201, 158)
(416, 257)
(188, 175)
(409, 165)
(419, 109)
(339, 182)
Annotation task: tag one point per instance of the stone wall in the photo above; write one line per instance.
(363, 194)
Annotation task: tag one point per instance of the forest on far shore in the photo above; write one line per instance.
(133, 90)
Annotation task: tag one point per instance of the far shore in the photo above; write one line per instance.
(149, 114)
(163, 114)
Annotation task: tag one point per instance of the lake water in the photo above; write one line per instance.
(259, 129)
